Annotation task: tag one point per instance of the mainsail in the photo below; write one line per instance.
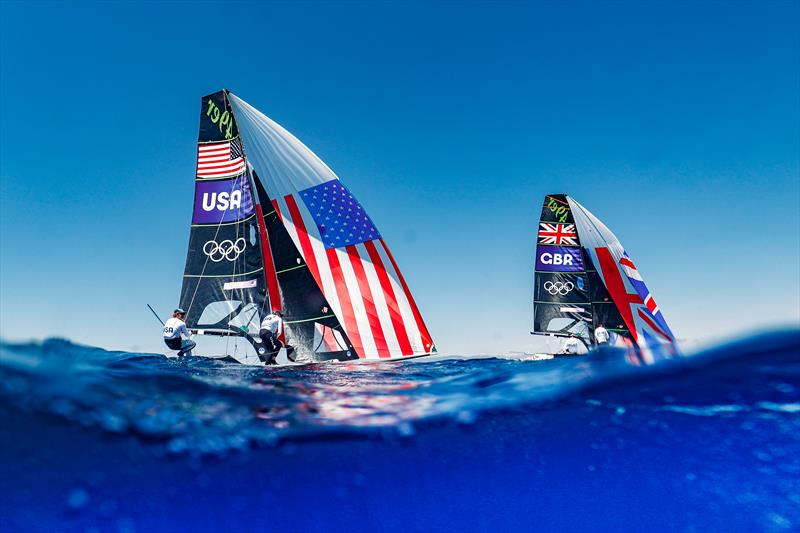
(274, 228)
(224, 283)
(584, 279)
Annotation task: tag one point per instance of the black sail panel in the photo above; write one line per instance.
(562, 288)
(217, 122)
(224, 288)
(311, 326)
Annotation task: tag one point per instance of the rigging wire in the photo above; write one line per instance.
(205, 264)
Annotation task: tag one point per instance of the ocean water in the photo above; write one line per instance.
(110, 441)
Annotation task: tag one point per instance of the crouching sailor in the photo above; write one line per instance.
(174, 330)
(270, 333)
(570, 346)
(601, 335)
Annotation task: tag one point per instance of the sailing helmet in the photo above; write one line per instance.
(179, 311)
(277, 312)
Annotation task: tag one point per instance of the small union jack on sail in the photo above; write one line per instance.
(558, 234)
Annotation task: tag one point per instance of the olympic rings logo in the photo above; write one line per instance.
(558, 287)
(227, 249)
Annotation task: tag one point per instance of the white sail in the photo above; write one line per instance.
(622, 279)
(343, 249)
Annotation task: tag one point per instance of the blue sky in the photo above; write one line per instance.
(678, 124)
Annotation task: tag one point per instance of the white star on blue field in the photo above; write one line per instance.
(340, 218)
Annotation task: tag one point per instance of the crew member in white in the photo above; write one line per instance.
(601, 335)
(270, 332)
(174, 329)
(570, 345)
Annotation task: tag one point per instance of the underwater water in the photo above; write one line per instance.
(111, 441)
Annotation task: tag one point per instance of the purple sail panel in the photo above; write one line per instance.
(222, 201)
(558, 259)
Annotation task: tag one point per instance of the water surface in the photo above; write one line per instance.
(113, 441)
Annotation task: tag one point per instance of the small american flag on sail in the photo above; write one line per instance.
(559, 234)
(218, 160)
(355, 270)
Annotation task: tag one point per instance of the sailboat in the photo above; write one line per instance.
(273, 228)
(584, 279)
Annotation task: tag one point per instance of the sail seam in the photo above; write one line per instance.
(217, 142)
(223, 223)
(309, 319)
(222, 276)
(599, 302)
(223, 178)
(292, 268)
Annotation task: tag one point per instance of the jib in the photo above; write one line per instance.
(222, 201)
(556, 259)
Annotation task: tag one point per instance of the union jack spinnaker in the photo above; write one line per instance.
(584, 279)
(273, 228)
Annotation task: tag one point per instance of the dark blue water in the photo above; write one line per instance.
(108, 441)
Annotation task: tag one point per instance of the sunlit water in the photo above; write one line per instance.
(111, 441)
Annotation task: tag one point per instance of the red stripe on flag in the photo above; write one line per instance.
(369, 303)
(215, 163)
(653, 325)
(616, 288)
(350, 324)
(214, 146)
(423, 330)
(216, 149)
(269, 265)
(391, 300)
(305, 240)
(213, 158)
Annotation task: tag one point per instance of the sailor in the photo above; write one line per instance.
(601, 335)
(270, 333)
(174, 329)
(570, 345)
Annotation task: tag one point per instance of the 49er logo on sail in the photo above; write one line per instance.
(222, 118)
